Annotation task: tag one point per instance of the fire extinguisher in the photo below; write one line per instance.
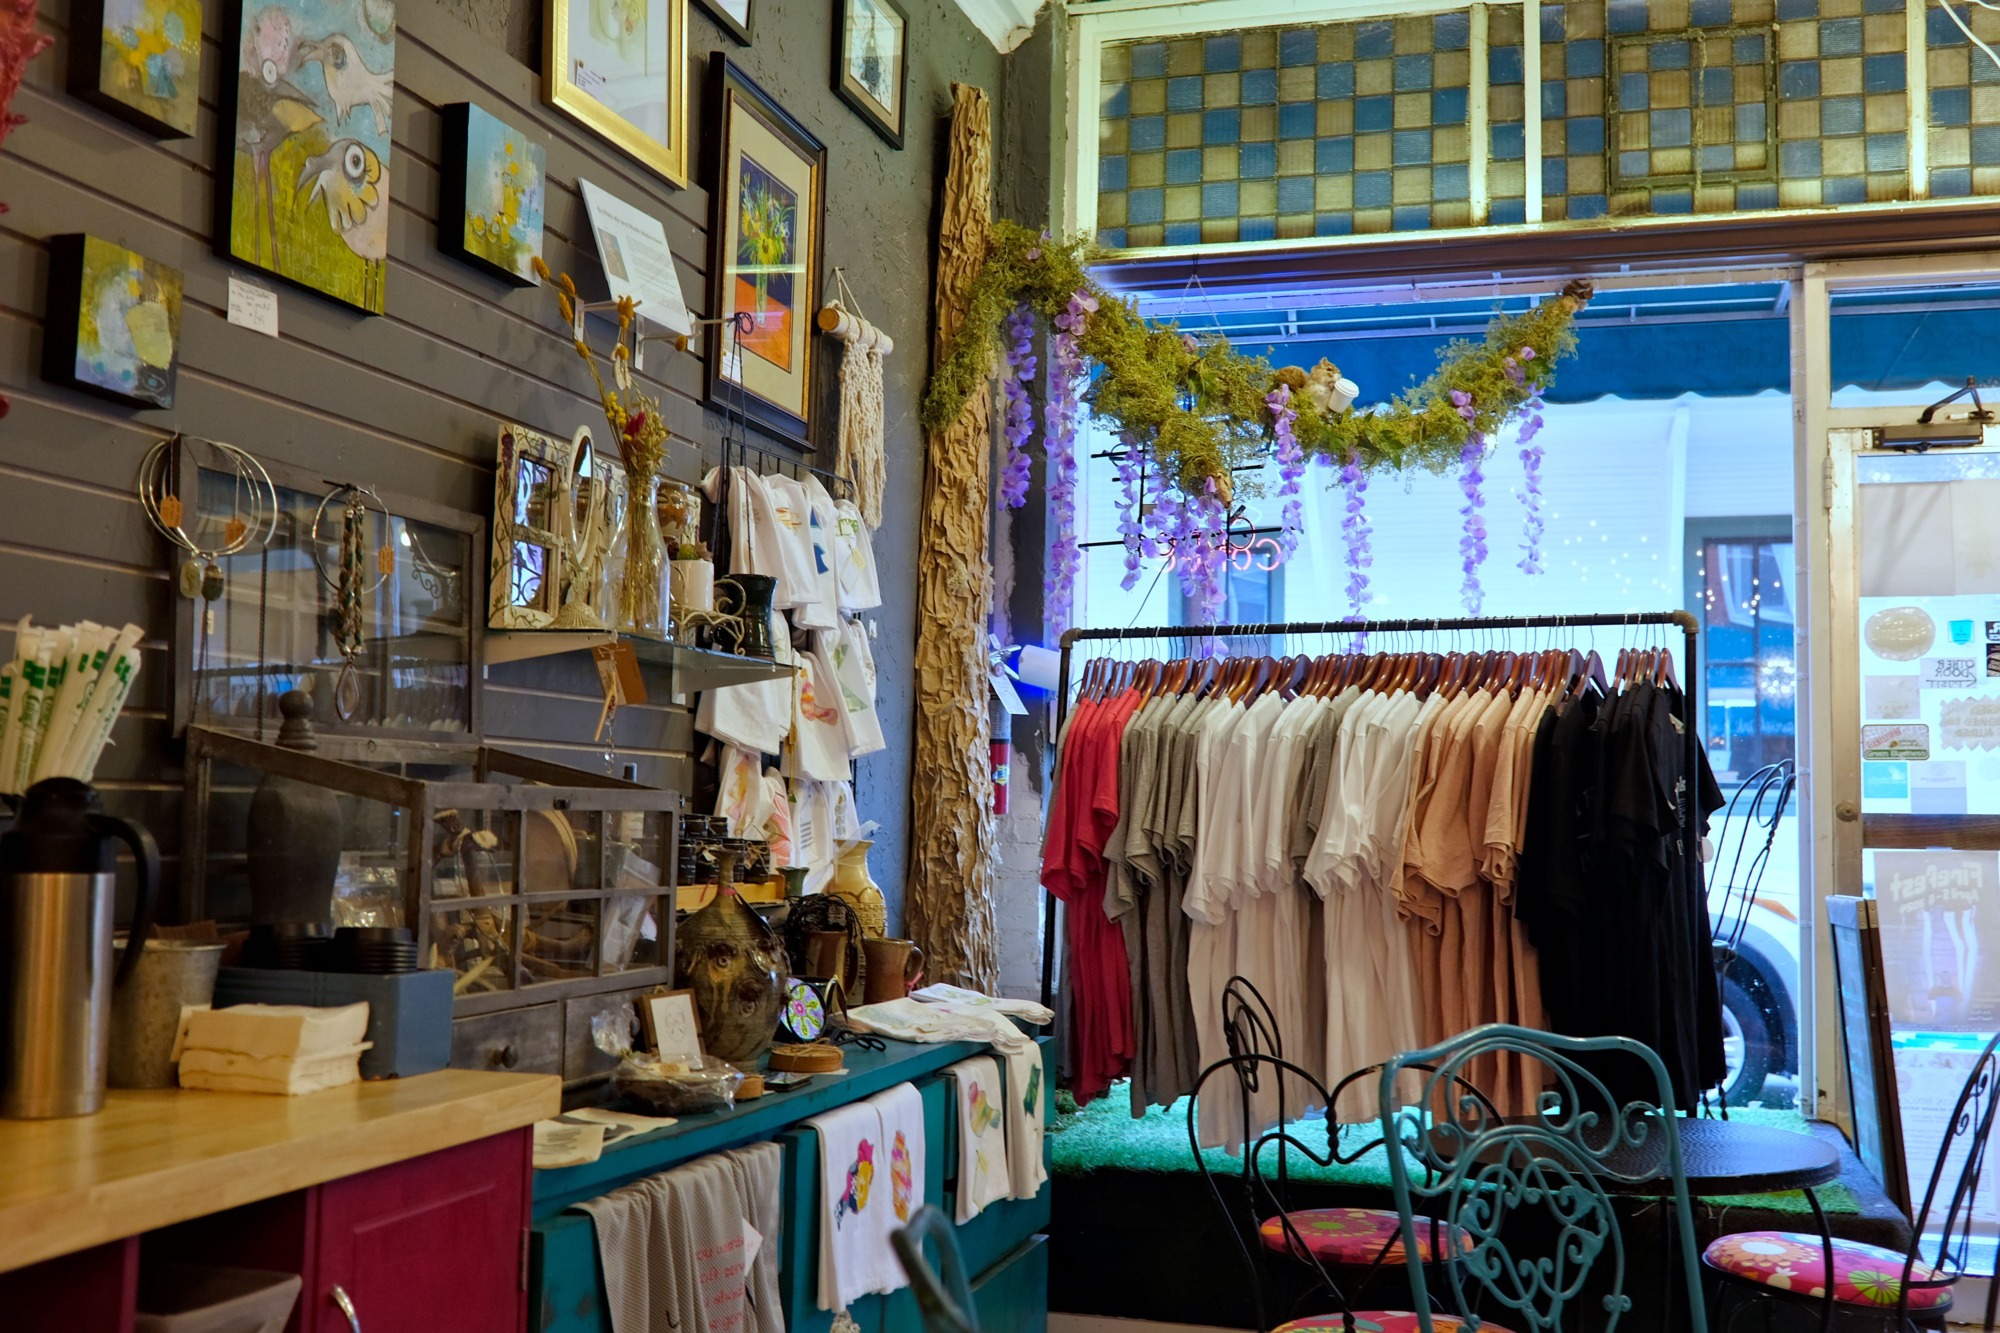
(1003, 754)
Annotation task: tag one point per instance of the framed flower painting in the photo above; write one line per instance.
(303, 181)
(493, 182)
(620, 67)
(768, 200)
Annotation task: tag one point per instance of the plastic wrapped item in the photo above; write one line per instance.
(673, 1087)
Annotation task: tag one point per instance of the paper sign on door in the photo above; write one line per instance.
(1909, 741)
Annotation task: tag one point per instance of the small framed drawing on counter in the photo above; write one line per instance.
(870, 62)
(671, 1026)
(620, 67)
(768, 195)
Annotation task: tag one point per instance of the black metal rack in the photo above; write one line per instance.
(1690, 715)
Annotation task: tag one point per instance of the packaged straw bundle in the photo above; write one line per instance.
(59, 698)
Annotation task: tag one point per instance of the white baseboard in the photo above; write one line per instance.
(1090, 1323)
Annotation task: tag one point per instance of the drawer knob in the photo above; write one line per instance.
(507, 1056)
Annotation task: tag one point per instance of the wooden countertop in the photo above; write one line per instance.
(151, 1159)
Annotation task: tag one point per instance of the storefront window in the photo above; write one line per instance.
(1750, 675)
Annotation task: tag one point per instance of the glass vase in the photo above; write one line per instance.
(642, 591)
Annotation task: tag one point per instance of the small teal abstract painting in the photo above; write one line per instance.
(495, 179)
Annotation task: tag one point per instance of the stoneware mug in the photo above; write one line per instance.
(893, 967)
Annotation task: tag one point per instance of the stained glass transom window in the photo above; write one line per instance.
(1643, 108)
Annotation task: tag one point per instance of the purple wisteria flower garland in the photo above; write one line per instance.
(1291, 460)
(1132, 478)
(1472, 545)
(1357, 533)
(1065, 372)
(1015, 470)
(1531, 466)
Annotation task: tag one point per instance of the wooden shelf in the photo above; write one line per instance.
(692, 669)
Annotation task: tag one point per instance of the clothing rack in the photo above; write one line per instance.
(1690, 713)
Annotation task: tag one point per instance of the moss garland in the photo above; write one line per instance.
(1201, 404)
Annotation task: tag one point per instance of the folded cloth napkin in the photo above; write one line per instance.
(914, 1020)
(1025, 1126)
(983, 1175)
(856, 1212)
(941, 993)
(675, 1248)
(902, 1111)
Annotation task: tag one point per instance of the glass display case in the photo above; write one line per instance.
(531, 881)
(275, 625)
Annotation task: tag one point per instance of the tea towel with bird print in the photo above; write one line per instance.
(856, 1213)
(983, 1176)
(902, 1112)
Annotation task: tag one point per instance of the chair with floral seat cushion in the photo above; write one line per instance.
(1384, 1321)
(1363, 1245)
(1872, 1287)
(1540, 1179)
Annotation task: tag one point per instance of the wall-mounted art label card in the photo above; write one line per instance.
(253, 307)
(637, 260)
(1896, 741)
(1890, 698)
(1950, 673)
(1969, 724)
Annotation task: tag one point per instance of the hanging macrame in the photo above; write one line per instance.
(861, 459)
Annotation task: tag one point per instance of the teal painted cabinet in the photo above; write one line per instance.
(1001, 1245)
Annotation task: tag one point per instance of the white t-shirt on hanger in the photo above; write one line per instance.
(860, 589)
(822, 531)
(757, 716)
(819, 721)
(791, 528)
(854, 670)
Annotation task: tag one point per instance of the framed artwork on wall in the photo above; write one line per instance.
(140, 60)
(732, 16)
(768, 200)
(620, 67)
(303, 182)
(870, 62)
(113, 326)
(493, 182)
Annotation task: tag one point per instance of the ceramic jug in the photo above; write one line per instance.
(736, 967)
(747, 597)
(893, 967)
(852, 882)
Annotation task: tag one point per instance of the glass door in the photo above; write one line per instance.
(1923, 784)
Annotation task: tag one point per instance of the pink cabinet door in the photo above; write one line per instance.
(426, 1246)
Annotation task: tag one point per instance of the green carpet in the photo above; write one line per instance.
(1104, 1136)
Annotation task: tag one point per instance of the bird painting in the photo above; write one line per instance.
(315, 97)
(354, 185)
(348, 81)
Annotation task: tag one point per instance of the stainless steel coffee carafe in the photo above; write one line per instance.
(58, 883)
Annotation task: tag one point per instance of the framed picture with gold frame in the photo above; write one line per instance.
(620, 67)
(767, 194)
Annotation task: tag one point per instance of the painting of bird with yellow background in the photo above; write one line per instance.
(314, 103)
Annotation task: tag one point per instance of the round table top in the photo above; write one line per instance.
(1728, 1157)
(1725, 1157)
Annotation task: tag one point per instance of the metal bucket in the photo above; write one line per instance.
(146, 1010)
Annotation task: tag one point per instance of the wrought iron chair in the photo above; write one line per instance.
(1743, 844)
(1363, 1246)
(1480, 1170)
(1873, 1287)
(944, 1298)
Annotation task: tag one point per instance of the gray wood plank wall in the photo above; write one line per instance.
(410, 401)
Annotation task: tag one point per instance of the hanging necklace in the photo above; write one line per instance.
(347, 583)
(200, 575)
